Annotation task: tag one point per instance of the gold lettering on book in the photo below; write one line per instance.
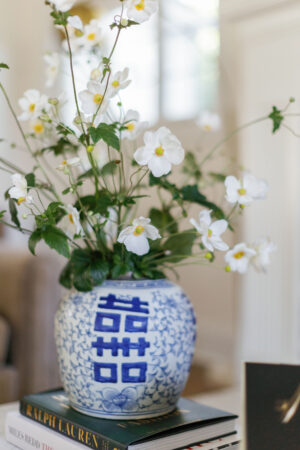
(70, 430)
(80, 435)
(29, 410)
(95, 440)
(46, 418)
(60, 426)
(37, 414)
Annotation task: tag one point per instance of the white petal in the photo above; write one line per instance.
(143, 155)
(219, 244)
(152, 232)
(206, 242)
(196, 225)
(159, 166)
(125, 233)
(175, 154)
(219, 227)
(205, 218)
(137, 244)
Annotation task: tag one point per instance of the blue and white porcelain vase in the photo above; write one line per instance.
(125, 348)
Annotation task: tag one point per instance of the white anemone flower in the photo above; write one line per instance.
(70, 224)
(19, 191)
(63, 5)
(211, 231)
(32, 104)
(93, 97)
(141, 10)
(238, 257)
(135, 238)
(92, 35)
(161, 150)
(75, 22)
(263, 247)
(133, 125)
(53, 63)
(246, 190)
(209, 121)
(37, 127)
(66, 163)
(118, 81)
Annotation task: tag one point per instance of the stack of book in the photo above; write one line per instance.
(47, 422)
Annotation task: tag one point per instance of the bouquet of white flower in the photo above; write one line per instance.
(99, 228)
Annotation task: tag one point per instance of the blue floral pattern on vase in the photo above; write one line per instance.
(125, 348)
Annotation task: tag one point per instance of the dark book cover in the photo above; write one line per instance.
(52, 410)
(273, 406)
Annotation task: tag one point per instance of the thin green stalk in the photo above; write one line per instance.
(230, 135)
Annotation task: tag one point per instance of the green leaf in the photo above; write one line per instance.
(107, 133)
(191, 194)
(56, 239)
(83, 282)
(180, 245)
(109, 169)
(3, 66)
(13, 212)
(2, 213)
(277, 118)
(65, 278)
(99, 270)
(34, 239)
(80, 260)
(163, 220)
(30, 178)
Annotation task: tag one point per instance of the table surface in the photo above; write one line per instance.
(228, 400)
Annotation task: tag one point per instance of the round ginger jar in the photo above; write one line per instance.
(125, 348)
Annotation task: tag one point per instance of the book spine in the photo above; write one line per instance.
(67, 428)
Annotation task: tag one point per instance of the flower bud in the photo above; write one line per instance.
(24, 216)
(45, 118)
(90, 148)
(292, 100)
(53, 101)
(208, 256)
(77, 120)
(124, 22)
(227, 269)
(95, 74)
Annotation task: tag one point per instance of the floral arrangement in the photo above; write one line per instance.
(87, 206)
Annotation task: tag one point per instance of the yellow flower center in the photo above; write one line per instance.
(209, 233)
(78, 33)
(64, 163)
(159, 151)
(21, 200)
(31, 107)
(239, 255)
(115, 84)
(91, 36)
(242, 191)
(98, 99)
(130, 126)
(140, 6)
(38, 128)
(139, 230)
(71, 218)
(207, 127)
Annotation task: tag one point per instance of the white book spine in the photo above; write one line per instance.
(28, 435)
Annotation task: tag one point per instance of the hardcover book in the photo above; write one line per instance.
(190, 423)
(27, 434)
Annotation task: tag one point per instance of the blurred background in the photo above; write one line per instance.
(231, 59)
